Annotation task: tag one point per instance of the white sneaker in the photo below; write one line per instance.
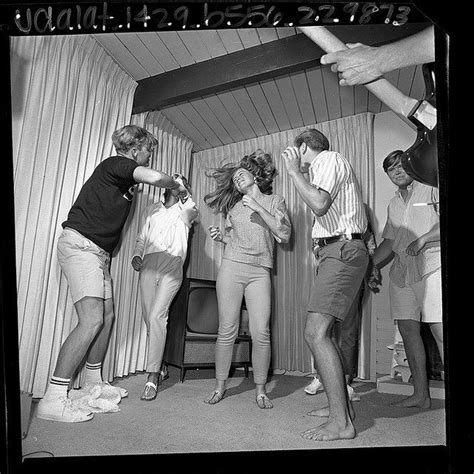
(108, 391)
(123, 393)
(315, 386)
(353, 395)
(62, 409)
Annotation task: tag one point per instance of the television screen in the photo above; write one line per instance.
(202, 310)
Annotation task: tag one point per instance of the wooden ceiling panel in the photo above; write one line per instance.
(139, 50)
(177, 48)
(117, 50)
(285, 32)
(230, 41)
(280, 104)
(225, 118)
(331, 91)
(202, 107)
(361, 99)
(213, 43)
(159, 51)
(288, 97)
(258, 98)
(181, 121)
(303, 97)
(288, 89)
(232, 106)
(316, 87)
(273, 97)
(267, 34)
(248, 109)
(198, 121)
(249, 37)
(195, 45)
(347, 98)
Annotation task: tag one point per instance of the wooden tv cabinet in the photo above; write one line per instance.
(191, 350)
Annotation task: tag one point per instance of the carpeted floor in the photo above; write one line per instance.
(179, 422)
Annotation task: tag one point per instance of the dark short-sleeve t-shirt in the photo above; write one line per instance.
(102, 206)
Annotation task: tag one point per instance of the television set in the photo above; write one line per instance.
(202, 316)
(192, 329)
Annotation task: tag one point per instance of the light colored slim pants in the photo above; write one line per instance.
(234, 281)
(161, 276)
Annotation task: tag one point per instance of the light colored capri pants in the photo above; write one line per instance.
(161, 276)
(234, 281)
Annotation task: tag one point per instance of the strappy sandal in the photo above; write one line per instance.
(216, 397)
(164, 375)
(263, 401)
(149, 387)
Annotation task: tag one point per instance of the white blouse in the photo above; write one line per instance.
(166, 229)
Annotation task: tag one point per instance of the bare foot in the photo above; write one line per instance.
(215, 397)
(263, 401)
(413, 402)
(330, 431)
(324, 412)
(321, 412)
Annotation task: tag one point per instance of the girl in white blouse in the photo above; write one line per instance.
(159, 254)
(255, 218)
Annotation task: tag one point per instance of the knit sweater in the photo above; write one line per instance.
(250, 239)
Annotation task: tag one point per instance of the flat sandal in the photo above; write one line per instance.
(149, 386)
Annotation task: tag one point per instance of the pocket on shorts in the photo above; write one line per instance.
(353, 255)
(70, 245)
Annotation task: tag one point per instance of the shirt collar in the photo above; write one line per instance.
(313, 161)
(409, 188)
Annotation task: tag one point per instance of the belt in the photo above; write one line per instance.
(335, 238)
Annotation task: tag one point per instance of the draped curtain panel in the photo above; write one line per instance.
(353, 138)
(128, 344)
(68, 97)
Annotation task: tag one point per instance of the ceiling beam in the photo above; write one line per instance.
(276, 58)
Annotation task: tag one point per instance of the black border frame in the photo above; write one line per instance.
(422, 459)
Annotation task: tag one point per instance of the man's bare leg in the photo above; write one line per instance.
(324, 412)
(318, 335)
(437, 331)
(415, 351)
(100, 343)
(90, 311)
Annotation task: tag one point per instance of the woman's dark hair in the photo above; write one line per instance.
(225, 196)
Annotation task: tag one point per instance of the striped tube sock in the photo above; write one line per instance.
(93, 372)
(57, 387)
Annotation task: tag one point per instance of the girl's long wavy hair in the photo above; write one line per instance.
(225, 196)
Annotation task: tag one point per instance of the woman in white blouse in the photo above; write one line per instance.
(255, 218)
(159, 254)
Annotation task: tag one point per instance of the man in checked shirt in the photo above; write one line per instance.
(333, 195)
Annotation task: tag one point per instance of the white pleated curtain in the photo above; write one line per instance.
(353, 138)
(68, 97)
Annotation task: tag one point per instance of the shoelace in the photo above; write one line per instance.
(67, 404)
